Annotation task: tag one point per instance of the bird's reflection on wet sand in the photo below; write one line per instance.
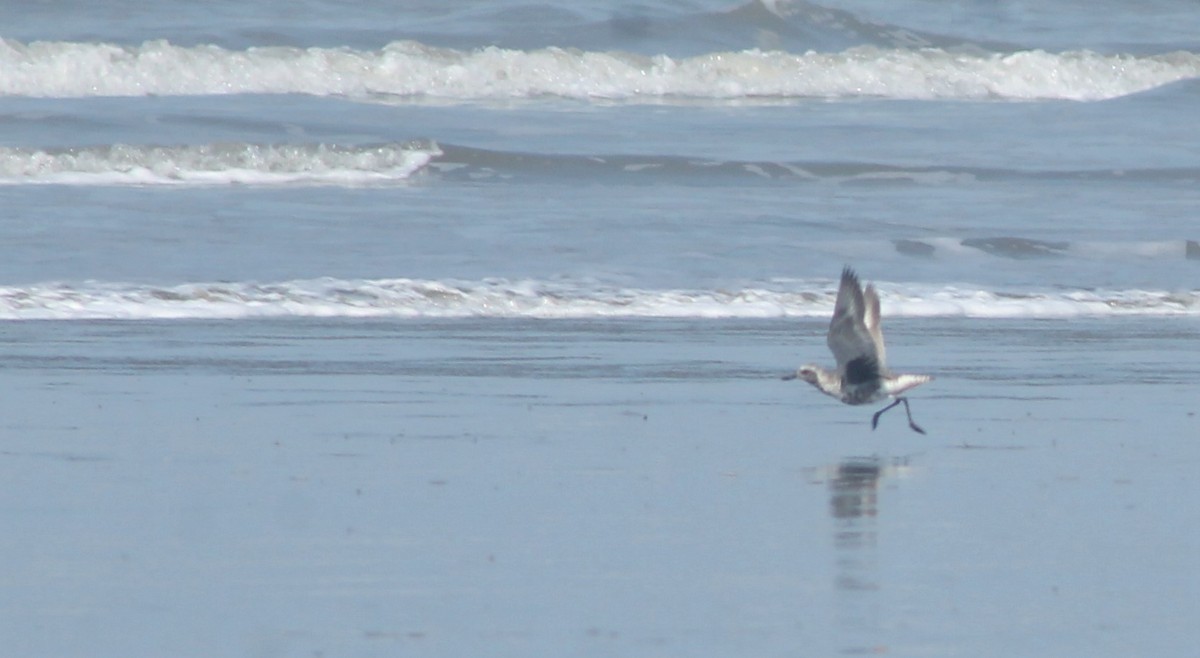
(854, 506)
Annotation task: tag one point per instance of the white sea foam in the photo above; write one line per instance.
(501, 298)
(410, 70)
(215, 164)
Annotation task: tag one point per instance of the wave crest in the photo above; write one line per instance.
(410, 70)
(216, 164)
(504, 298)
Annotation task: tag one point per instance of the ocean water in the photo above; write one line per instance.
(456, 328)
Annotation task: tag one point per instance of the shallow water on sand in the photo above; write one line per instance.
(638, 487)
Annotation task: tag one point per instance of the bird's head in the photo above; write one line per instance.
(808, 373)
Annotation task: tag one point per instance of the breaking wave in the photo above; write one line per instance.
(382, 164)
(503, 298)
(215, 164)
(410, 70)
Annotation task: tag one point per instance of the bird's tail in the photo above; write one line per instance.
(906, 382)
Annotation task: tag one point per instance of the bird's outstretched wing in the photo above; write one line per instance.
(849, 339)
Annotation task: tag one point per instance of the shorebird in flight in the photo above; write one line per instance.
(862, 376)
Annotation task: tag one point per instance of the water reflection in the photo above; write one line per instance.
(854, 488)
(854, 505)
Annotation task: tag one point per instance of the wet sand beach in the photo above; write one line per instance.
(635, 488)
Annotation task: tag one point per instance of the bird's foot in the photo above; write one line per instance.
(908, 412)
(875, 418)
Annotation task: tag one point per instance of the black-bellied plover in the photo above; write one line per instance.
(862, 376)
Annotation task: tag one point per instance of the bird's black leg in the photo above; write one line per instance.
(875, 419)
(915, 427)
